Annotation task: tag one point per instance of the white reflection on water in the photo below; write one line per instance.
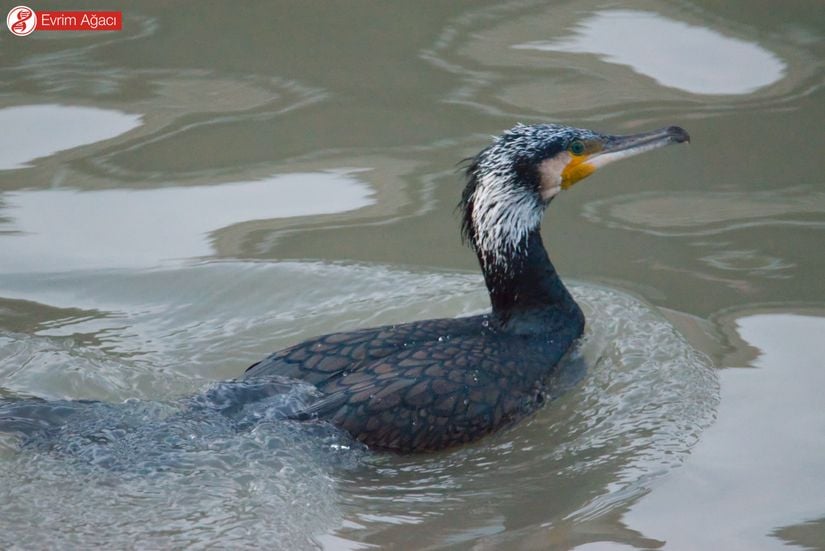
(760, 467)
(65, 229)
(674, 54)
(34, 131)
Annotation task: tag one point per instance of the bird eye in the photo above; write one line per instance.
(576, 147)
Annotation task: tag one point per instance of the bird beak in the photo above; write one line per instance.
(612, 148)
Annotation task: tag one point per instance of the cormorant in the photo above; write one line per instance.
(433, 384)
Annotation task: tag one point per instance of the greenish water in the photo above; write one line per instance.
(220, 180)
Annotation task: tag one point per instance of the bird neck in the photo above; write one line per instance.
(526, 292)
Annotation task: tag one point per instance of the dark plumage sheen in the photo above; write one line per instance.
(433, 384)
(425, 385)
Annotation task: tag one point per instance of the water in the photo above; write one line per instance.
(646, 398)
(185, 196)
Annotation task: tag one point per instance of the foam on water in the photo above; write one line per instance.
(170, 474)
(182, 471)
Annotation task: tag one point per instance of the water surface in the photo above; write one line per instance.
(181, 198)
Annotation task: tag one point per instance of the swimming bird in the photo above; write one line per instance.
(434, 384)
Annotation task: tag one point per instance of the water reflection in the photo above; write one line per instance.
(694, 59)
(809, 534)
(212, 113)
(698, 213)
(763, 456)
(751, 262)
(520, 59)
(142, 228)
(736, 239)
(34, 131)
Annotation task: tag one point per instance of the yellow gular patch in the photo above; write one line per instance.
(577, 169)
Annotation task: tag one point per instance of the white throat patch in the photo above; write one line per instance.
(503, 216)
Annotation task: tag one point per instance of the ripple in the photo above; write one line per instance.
(689, 213)
(691, 58)
(750, 261)
(644, 398)
(528, 60)
(642, 405)
(161, 323)
(148, 472)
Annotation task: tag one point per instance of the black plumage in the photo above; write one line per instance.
(433, 384)
(424, 385)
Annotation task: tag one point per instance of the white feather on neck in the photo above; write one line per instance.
(503, 217)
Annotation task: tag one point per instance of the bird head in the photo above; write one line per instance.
(511, 181)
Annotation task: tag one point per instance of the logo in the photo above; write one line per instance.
(21, 21)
